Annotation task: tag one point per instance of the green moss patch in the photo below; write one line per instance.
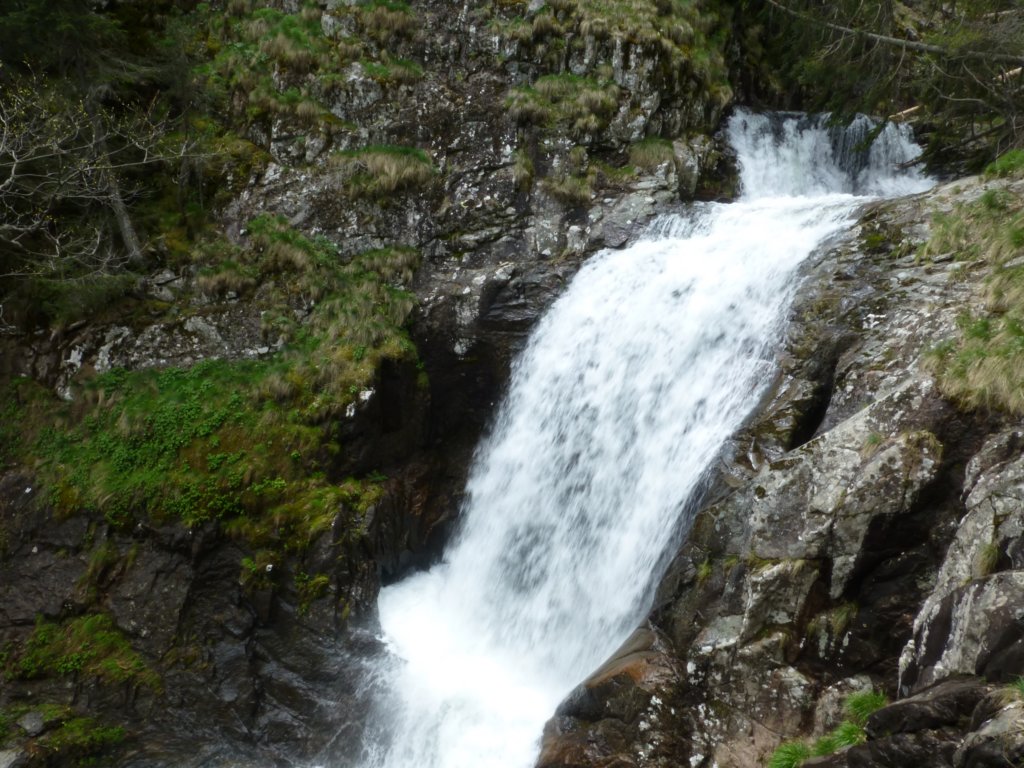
(68, 739)
(255, 61)
(89, 647)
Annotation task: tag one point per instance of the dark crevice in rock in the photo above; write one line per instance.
(811, 416)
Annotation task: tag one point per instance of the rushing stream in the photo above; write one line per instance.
(616, 409)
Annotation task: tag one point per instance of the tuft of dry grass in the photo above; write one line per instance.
(582, 105)
(238, 8)
(227, 278)
(289, 52)
(573, 191)
(650, 153)
(525, 108)
(523, 171)
(544, 26)
(386, 22)
(378, 171)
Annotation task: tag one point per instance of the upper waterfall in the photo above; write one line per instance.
(806, 155)
(623, 397)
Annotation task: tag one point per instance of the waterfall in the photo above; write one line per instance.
(621, 400)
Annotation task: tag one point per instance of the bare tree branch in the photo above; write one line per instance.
(65, 169)
(912, 45)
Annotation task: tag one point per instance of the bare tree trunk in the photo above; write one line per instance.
(129, 237)
(124, 224)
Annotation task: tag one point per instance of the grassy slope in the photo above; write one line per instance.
(984, 366)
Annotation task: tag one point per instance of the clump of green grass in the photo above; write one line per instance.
(790, 754)
(387, 20)
(859, 707)
(987, 560)
(835, 621)
(704, 571)
(985, 366)
(226, 278)
(261, 60)
(687, 38)
(311, 588)
(82, 739)
(523, 171)
(872, 443)
(69, 736)
(1015, 690)
(581, 105)
(846, 734)
(379, 171)
(573, 191)
(391, 70)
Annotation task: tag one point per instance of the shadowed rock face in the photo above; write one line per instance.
(862, 532)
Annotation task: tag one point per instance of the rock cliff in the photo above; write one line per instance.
(204, 485)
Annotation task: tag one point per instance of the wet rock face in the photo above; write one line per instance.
(971, 621)
(630, 692)
(975, 629)
(862, 533)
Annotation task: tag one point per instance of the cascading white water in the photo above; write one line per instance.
(624, 395)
